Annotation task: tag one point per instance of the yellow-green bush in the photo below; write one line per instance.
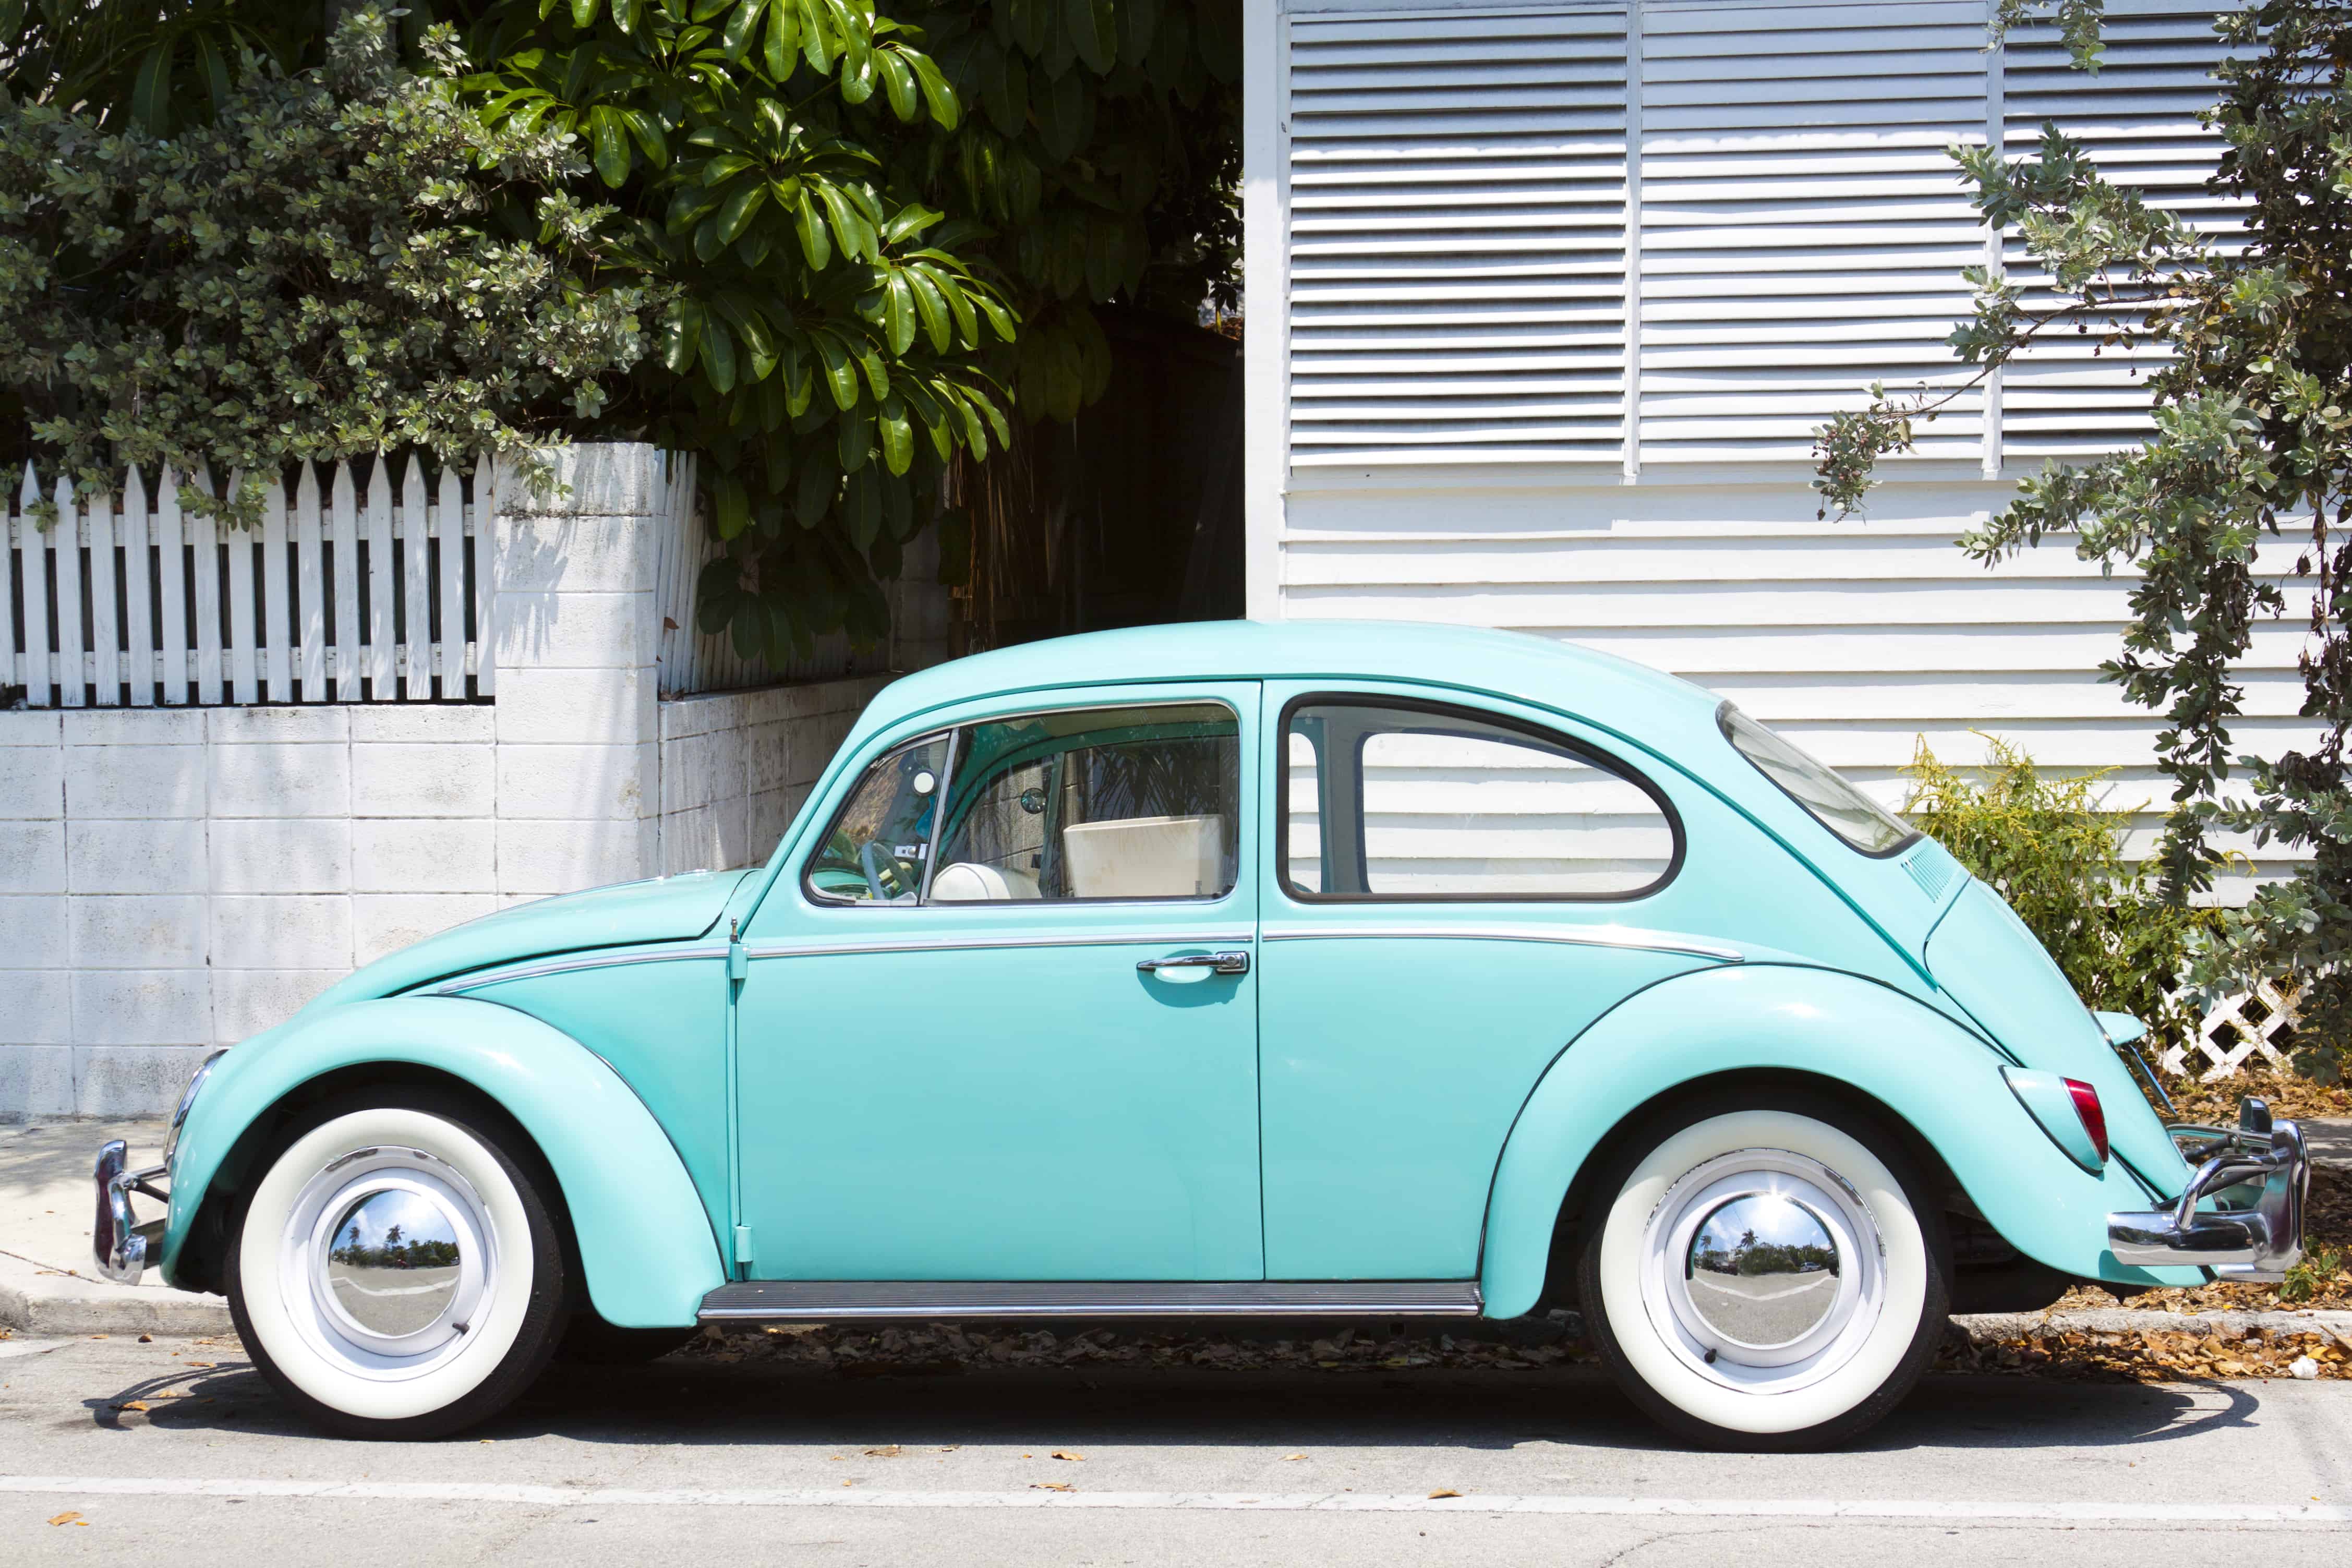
(2054, 848)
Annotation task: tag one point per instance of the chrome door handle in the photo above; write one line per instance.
(1230, 962)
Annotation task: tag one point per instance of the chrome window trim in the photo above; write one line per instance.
(954, 730)
(1598, 936)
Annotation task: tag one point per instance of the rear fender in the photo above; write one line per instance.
(645, 1242)
(1921, 1067)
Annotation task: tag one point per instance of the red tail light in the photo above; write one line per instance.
(2094, 1121)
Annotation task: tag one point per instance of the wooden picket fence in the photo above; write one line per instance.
(692, 660)
(362, 591)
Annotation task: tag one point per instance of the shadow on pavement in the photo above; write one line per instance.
(688, 1401)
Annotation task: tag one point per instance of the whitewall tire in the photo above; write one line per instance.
(1770, 1277)
(396, 1272)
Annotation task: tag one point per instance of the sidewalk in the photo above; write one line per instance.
(48, 1282)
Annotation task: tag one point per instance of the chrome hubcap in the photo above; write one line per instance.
(388, 1259)
(392, 1262)
(1762, 1270)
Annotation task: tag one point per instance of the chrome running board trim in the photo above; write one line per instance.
(983, 941)
(832, 1301)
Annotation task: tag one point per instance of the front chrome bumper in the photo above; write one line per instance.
(117, 1238)
(2257, 1175)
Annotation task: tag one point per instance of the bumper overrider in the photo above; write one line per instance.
(117, 1238)
(2256, 1176)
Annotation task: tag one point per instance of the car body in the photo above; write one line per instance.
(1306, 967)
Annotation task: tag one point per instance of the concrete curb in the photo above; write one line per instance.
(1985, 1328)
(38, 1300)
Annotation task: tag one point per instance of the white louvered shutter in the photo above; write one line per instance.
(2139, 117)
(1803, 227)
(1456, 234)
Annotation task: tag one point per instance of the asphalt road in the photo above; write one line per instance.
(695, 1462)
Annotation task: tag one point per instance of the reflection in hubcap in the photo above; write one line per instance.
(392, 1262)
(1763, 1271)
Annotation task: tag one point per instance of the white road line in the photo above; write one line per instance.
(1263, 1502)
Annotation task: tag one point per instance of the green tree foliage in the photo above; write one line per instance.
(2252, 437)
(311, 275)
(2055, 849)
(880, 227)
(160, 65)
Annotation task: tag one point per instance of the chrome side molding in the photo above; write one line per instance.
(2257, 1240)
(833, 1301)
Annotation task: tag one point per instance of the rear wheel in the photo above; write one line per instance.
(397, 1271)
(1768, 1276)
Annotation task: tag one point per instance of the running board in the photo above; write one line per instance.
(832, 1301)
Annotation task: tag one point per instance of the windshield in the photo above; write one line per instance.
(1833, 802)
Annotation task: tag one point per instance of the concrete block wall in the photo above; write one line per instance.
(173, 879)
(736, 767)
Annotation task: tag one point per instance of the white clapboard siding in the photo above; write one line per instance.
(2138, 118)
(135, 598)
(1857, 640)
(1451, 815)
(1802, 230)
(1458, 237)
(1796, 229)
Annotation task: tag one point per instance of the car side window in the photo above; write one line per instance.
(1104, 803)
(880, 843)
(1406, 801)
(1101, 802)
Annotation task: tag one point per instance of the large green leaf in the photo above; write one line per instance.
(1092, 31)
(739, 207)
(809, 224)
(898, 313)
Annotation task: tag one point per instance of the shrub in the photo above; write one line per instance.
(313, 275)
(2054, 848)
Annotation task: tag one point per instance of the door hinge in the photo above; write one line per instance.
(738, 960)
(743, 1244)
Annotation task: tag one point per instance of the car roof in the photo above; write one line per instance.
(1616, 693)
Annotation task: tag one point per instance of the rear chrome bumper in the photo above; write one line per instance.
(121, 1242)
(2257, 1174)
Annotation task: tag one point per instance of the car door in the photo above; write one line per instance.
(1000, 1022)
(1461, 885)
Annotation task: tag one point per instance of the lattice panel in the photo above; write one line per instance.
(2256, 1024)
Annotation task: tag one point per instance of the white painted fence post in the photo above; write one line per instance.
(65, 530)
(35, 557)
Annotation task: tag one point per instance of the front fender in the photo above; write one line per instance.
(645, 1242)
(1923, 1068)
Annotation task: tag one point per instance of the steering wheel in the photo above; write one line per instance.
(882, 871)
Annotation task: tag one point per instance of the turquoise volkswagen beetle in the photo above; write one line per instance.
(1310, 968)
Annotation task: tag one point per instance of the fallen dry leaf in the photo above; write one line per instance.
(1444, 1492)
(1066, 1454)
(146, 1339)
(132, 1404)
(887, 1451)
(1051, 1486)
(67, 1518)
(1293, 1456)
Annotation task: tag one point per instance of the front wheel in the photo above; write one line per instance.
(396, 1272)
(1768, 1278)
